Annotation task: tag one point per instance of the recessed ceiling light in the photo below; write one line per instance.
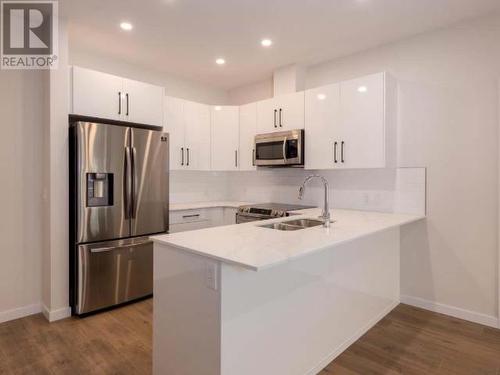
(218, 107)
(266, 42)
(362, 89)
(127, 26)
(321, 96)
(220, 61)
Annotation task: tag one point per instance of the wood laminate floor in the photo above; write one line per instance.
(407, 341)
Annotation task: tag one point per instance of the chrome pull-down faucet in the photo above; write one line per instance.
(325, 215)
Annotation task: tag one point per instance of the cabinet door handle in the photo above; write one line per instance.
(119, 102)
(281, 125)
(342, 151)
(275, 111)
(189, 216)
(187, 150)
(335, 152)
(182, 155)
(236, 158)
(253, 157)
(126, 96)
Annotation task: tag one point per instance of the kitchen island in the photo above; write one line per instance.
(247, 299)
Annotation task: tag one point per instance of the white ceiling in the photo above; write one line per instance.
(183, 37)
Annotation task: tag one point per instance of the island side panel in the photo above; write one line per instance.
(295, 318)
(186, 313)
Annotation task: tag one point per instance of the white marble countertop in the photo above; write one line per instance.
(250, 246)
(212, 204)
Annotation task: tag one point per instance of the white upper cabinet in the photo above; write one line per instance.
(225, 138)
(197, 136)
(188, 124)
(174, 125)
(248, 129)
(352, 124)
(368, 118)
(322, 132)
(106, 96)
(285, 112)
(267, 116)
(143, 102)
(291, 111)
(97, 94)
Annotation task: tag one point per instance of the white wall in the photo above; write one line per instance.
(251, 93)
(55, 299)
(21, 168)
(448, 123)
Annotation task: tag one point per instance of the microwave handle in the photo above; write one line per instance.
(284, 150)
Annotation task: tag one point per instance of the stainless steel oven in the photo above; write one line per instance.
(280, 149)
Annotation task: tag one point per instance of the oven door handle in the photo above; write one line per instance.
(284, 151)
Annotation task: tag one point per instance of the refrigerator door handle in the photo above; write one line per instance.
(127, 183)
(133, 194)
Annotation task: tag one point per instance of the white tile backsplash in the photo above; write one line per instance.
(384, 190)
(198, 186)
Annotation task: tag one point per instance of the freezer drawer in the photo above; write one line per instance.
(113, 272)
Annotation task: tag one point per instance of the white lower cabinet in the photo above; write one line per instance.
(182, 221)
(225, 138)
(229, 215)
(184, 227)
(352, 124)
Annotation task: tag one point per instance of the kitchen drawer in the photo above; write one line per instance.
(184, 227)
(188, 216)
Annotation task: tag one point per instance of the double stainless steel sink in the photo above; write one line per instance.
(296, 224)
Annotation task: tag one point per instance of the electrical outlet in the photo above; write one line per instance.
(211, 275)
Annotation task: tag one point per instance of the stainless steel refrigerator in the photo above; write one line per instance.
(118, 197)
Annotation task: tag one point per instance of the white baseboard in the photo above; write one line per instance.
(346, 344)
(456, 312)
(20, 312)
(54, 315)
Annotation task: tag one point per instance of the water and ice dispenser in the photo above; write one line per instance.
(99, 189)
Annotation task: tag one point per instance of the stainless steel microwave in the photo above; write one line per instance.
(280, 149)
